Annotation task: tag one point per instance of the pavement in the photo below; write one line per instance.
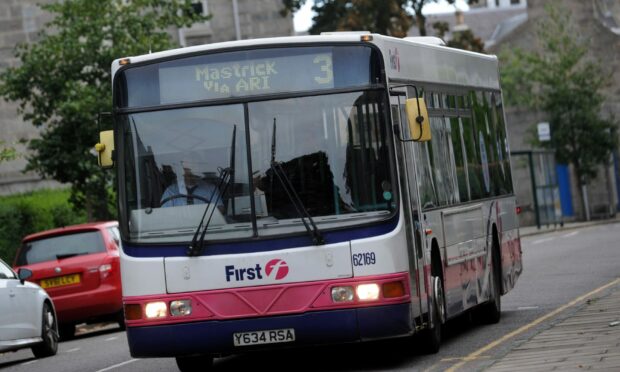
(583, 335)
(566, 226)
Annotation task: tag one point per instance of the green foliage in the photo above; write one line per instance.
(7, 152)
(561, 79)
(25, 214)
(63, 82)
(388, 17)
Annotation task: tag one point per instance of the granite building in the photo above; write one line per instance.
(21, 20)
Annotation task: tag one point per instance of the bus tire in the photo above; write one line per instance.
(195, 363)
(437, 314)
(66, 331)
(120, 319)
(491, 312)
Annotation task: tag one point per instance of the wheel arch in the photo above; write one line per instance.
(437, 264)
(496, 247)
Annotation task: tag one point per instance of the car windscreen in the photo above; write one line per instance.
(60, 246)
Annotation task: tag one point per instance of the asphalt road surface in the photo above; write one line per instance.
(558, 267)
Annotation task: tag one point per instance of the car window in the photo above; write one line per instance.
(6, 272)
(61, 246)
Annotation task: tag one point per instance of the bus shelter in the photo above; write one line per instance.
(539, 201)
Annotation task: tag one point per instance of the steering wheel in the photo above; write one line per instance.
(179, 196)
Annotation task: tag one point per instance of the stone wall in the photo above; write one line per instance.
(20, 22)
(257, 19)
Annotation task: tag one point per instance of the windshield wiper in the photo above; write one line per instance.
(302, 211)
(226, 176)
(68, 255)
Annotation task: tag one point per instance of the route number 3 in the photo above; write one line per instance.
(326, 66)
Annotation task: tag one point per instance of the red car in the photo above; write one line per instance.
(79, 268)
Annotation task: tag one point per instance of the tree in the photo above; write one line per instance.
(561, 79)
(418, 5)
(63, 82)
(389, 17)
(464, 39)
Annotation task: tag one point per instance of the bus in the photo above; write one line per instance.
(354, 187)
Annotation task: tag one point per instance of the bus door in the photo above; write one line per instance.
(410, 202)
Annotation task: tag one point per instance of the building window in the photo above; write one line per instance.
(199, 33)
(197, 7)
(200, 7)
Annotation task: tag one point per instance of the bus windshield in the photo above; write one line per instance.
(333, 149)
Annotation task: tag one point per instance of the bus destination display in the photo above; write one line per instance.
(246, 77)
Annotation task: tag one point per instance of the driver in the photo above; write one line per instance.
(191, 189)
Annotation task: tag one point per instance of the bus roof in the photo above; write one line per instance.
(418, 59)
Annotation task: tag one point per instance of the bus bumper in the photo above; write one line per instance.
(312, 328)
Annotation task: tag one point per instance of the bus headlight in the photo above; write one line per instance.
(368, 292)
(342, 294)
(181, 307)
(156, 310)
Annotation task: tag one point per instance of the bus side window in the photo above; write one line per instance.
(460, 158)
(428, 196)
(442, 162)
(503, 147)
(474, 171)
(497, 180)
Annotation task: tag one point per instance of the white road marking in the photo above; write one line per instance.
(72, 350)
(27, 363)
(111, 339)
(542, 240)
(118, 365)
(570, 234)
(527, 308)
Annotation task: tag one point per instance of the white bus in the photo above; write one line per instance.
(307, 190)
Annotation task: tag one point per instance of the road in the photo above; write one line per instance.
(558, 267)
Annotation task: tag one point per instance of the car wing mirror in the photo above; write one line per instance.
(23, 274)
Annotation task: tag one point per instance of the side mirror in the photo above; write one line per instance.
(104, 148)
(417, 116)
(23, 274)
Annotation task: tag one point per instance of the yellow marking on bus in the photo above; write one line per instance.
(493, 344)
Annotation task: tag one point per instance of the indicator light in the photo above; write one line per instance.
(133, 312)
(393, 289)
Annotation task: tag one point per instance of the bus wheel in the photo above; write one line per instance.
(491, 311)
(195, 363)
(437, 315)
(120, 319)
(66, 331)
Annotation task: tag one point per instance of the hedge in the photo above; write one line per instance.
(24, 214)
